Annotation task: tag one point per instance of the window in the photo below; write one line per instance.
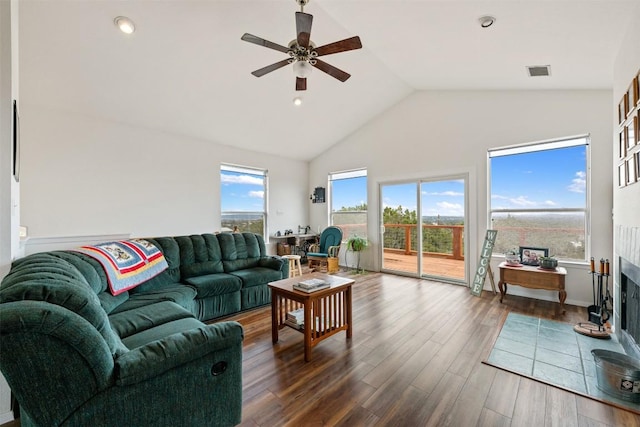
(348, 191)
(243, 199)
(538, 197)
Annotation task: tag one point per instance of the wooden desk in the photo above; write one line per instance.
(326, 312)
(299, 243)
(533, 278)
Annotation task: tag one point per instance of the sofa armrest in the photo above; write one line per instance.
(272, 262)
(160, 356)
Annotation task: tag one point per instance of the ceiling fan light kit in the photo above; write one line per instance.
(303, 53)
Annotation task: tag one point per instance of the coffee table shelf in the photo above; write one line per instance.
(326, 312)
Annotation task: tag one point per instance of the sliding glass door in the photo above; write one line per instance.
(423, 228)
(443, 228)
(399, 203)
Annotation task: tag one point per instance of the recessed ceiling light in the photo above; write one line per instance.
(125, 24)
(486, 21)
(297, 101)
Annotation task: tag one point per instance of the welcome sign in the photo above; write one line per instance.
(483, 264)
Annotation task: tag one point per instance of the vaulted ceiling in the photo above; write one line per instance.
(186, 71)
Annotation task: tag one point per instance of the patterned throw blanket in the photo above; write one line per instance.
(127, 263)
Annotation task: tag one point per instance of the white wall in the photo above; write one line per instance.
(9, 188)
(434, 133)
(88, 176)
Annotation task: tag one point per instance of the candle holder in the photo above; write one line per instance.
(600, 312)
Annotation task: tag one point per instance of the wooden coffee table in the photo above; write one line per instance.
(326, 312)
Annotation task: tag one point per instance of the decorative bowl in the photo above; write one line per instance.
(548, 263)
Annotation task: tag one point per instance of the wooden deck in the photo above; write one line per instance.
(432, 266)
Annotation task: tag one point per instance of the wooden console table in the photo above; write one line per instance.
(533, 278)
(326, 312)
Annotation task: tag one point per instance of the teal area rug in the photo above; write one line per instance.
(553, 353)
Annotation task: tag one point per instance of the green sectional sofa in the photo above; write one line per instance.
(76, 355)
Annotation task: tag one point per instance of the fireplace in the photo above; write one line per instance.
(630, 307)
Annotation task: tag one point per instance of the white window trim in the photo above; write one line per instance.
(549, 144)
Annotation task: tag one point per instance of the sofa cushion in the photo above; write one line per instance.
(257, 276)
(171, 252)
(176, 292)
(215, 284)
(110, 302)
(129, 322)
(199, 255)
(159, 332)
(89, 267)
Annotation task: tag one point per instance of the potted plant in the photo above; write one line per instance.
(357, 244)
(512, 257)
(548, 262)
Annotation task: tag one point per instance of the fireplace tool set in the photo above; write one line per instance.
(600, 311)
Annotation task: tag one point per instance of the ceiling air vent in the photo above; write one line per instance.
(539, 70)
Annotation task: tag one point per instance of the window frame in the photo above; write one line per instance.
(538, 146)
(263, 172)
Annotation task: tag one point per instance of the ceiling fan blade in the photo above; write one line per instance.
(269, 68)
(301, 83)
(262, 42)
(303, 27)
(339, 46)
(331, 70)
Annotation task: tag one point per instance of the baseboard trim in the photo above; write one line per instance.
(6, 417)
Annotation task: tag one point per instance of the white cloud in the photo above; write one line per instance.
(443, 193)
(241, 179)
(549, 203)
(256, 194)
(579, 183)
(497, 196)
(450, 209)
(522, 201)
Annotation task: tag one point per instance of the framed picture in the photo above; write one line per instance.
(531, 256)
(16, 142)
(622, 109)
(631, 97)
(622, 143)
(622, 175)
(638, 88)
(631, 170)
(631, 133)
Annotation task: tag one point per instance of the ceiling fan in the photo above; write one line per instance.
(303, 53)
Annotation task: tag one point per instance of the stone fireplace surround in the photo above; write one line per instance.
(627, 288)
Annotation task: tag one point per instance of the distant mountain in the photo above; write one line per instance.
(443, 220)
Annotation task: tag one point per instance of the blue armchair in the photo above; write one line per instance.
(329, 247)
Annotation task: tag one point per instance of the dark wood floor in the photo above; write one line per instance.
(414, 360)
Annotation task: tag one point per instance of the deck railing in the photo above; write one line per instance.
(401, 238)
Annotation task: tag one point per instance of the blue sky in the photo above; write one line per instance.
(242, 192)
(539, 180)
(444, 198)
(535, 180)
